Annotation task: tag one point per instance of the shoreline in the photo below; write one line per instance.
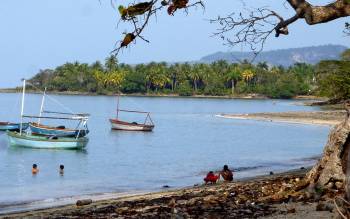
(100, 199)
(246, 198)
(243, 96)
(58, 202)
(329, 118)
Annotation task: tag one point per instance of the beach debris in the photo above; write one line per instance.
(83, 202)
(252, 199)
(339, 185)
(324, 206)
(291, 210)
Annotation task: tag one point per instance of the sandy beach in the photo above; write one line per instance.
(258, 197)
(332, 117)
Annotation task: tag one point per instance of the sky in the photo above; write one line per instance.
(44, 34)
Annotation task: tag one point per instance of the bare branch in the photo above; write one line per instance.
(347, 29)
(251, 29)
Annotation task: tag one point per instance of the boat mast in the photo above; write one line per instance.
(42, 106)
(22, 106)
(117, 106)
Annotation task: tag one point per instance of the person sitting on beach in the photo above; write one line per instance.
(61, 171)
(226, 174)
(35, 169)
(211, 178)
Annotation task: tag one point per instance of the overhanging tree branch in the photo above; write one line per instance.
(252, 28)
(139, 15)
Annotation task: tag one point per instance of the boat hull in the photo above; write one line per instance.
(53, 131)
(31, 141)
(6, 126)
(126, 126)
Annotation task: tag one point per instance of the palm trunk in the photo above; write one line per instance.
(173, 85)
(233, 86)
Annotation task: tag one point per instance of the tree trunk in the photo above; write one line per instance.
(233, 86)
(333, 170)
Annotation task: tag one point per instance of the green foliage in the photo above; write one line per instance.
(333, 79)
(185, 89)
(218, 78)
(134, 82)
(346, 54)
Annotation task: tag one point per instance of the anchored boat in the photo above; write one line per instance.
(48, 142)
(39, 129)
(27, 139)
(118, 124)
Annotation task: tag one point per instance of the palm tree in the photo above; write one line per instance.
(195, 75)
(262, 65)
(111, 63)
(233, 75)
(157, 75)
(114, 79)
(248, 75)
(97, 66)
(220, 67)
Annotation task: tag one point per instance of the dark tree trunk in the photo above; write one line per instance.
(333, 169)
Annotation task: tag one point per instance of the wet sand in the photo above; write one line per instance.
(317, 118)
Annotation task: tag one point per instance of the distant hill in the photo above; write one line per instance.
(284, 57)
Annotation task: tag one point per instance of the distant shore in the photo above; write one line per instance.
(331, 117)
(238, 96)
(250, 198)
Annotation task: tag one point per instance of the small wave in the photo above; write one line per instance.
(242, 169)
(16, 207)
(305, 161)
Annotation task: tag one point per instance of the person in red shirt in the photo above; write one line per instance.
(211, 178)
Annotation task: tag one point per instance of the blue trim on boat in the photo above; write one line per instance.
(56, 132)
(13, 127)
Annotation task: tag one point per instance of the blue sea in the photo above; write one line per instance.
(187, 142)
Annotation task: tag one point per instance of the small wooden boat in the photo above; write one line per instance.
(127, 126)
(8, 126)
(39, 129)
(48, 142)
(118, 124)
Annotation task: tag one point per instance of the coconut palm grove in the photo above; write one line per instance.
(328, 78)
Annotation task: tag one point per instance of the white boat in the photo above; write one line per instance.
(118, 124)
(24, 139)
(127, 126)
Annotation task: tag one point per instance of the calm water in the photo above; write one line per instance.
(187, 142)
